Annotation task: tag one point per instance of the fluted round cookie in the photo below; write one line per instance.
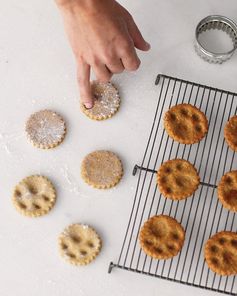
(185, 123)
(161, 237)
(107, 101)
(34, 196)
(79, 244)
(227, 191)
(230, 133)
(221, 253)
(177, 179)
(45, 129)
(101, 169)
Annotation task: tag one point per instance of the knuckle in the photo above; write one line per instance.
(81, 59)
(109, 57)
(81, 79)
(128, 15)
(118, 71)
(135, 65)
(109, 60)
(94, 61)
(126, 46)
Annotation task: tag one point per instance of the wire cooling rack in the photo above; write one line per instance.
(201, 215)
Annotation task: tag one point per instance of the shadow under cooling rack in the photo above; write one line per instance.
(201, 215)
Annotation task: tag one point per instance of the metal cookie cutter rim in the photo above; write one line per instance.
(220, 23)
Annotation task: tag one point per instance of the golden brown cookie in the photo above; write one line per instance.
(79, 244)
(45, 129)
(34, 196)
(185, 123)
(230, 133)
(107, 101)
(177, 179)
(227, 191)
(161, 237)
(221, 253)
(102, 169)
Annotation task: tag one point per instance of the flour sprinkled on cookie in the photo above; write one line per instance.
(102, 169)
(45, 129)
(107, 101)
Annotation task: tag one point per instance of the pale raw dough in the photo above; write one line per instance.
(34, 196)
(79, 244)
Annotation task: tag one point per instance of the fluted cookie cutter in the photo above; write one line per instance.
(215, 22)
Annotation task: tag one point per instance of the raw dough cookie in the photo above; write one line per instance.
(79, 244)
(34, 196)
(102, 169)
(221, 253)
(162, 237)
(230, 133)
(107, 101)
(45, 129)
(227, 191)
(185, 123)
(177, 179)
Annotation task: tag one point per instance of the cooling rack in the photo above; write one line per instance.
(201, 215)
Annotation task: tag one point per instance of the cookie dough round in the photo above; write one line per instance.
(230, 133)
(177, 179)
(45, 129)
(102, 169)
(161, 237)
(221, 253)
(107, 101)
(227, 191)
(34, 196)
(185, 123)
(79, 244)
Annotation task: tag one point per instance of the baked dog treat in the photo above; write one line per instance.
(79, 244)
(102, 169)
(45, 129)
(185, 123)
(161, 237)
(107, 101)
(227, 191)
(34, 196)
(221, 253)
(230, 133)
(177, 179)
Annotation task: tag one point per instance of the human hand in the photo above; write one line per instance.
(103, 36)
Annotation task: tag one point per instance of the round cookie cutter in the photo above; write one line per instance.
(215, 22)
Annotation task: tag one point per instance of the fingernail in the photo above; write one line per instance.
(148, 45)
(88, 105)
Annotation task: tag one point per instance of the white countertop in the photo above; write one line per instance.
(37, 71)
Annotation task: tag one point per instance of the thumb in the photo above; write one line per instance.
(139, 41)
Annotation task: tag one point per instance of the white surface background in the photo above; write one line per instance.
(37, 71)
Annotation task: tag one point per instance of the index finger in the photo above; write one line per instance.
(83, 76)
